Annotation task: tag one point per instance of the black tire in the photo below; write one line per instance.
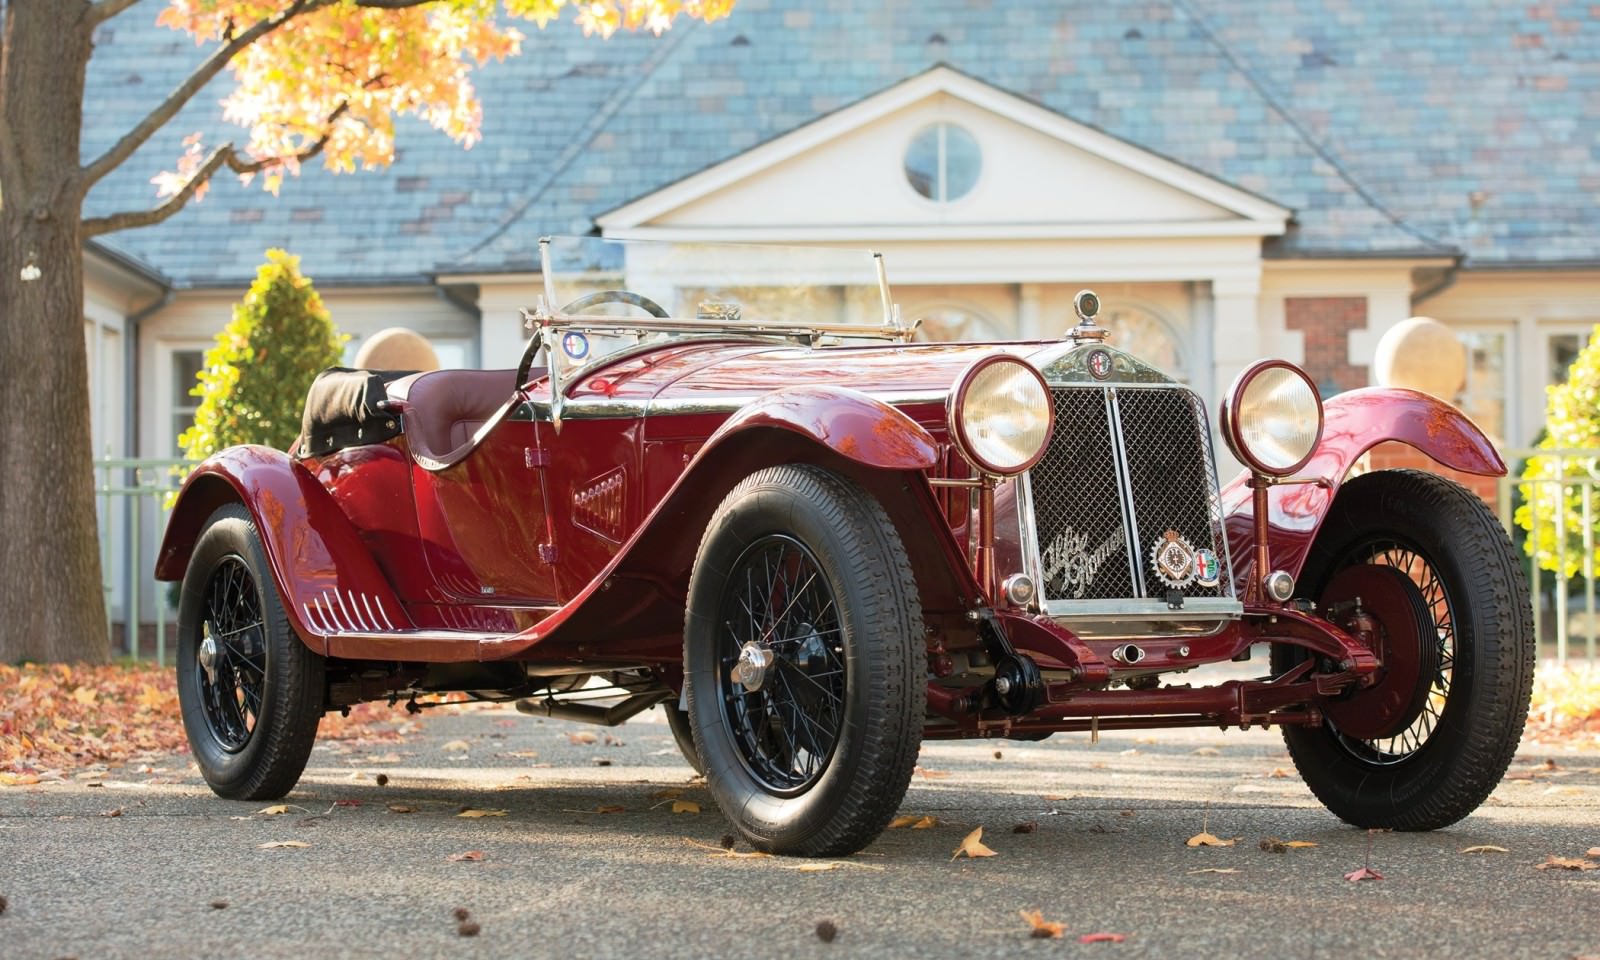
(1438, 745)
(819, 772)
(251, 719)
(683, 733)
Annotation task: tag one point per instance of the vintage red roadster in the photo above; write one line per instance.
(816, 543)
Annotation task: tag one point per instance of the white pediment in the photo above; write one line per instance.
(1042, 175)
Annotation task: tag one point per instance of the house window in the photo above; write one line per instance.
(1561, 349)
(185, 369)
(1483, 394)
(942, 162)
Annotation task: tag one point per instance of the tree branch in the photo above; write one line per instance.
(224, 154)
(106, 9)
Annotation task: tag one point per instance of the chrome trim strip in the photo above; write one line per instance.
(383, 613)
(1028, 533)
(332, 615)
(599, 408)
(312, 621)
(1194, 608)
(1119, 466)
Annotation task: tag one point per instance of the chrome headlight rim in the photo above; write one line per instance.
(956, 423)
(1232, 429)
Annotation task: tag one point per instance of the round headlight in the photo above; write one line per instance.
(1001, 415)
(1272, 417)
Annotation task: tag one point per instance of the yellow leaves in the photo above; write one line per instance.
(479, 814)
(1484, 848)
(275, 810)
(1274, 845)
(685, 806)
(56, 717)
(913, 821)
(456, 746)
(581, 738)
(18, 779)
(972, 846)
(85, 696)
(1040, 928)
(1203, 839)
(927, 774)
(283, 845)
(401, 808)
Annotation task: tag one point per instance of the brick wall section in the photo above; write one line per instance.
(1326, 323)
(1397, 456)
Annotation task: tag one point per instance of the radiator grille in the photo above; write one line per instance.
(1086, 527)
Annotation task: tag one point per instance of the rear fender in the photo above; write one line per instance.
(849, 432)
(327, 578)
(1354, 423)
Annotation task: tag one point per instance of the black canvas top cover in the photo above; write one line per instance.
(342, 410)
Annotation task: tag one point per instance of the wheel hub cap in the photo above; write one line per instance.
(208, 653)
(755, 660)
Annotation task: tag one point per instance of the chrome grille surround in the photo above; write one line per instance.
(1131, 459)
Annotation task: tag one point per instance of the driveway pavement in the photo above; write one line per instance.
(559, 878)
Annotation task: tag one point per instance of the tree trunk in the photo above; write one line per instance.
(51, 603)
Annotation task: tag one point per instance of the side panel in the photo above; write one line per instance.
(324, 572)
(1354, 423)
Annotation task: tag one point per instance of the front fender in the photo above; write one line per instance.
(848, 422)
(327, 578)
(1353, 423)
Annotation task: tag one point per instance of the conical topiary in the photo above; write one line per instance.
(253, 382)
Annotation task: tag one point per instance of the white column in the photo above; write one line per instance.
(501, 335)
(1236, 340)
(1030, 312)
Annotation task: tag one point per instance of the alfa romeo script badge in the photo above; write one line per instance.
(1173, 559)
(1099, 364)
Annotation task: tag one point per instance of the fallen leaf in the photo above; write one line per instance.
(1042, 929)
(1102, 938)
(1296, 844)
(972, 846)
(219, 904)
(613, 808)
(282, 844)
(580, 737)
(475, 814)
(349, 803)
(1056, 797)
(1207, 752)
(685, 806)
(275, 810)
(1028, 826)
(1592, 852)
(471, 856)
(1278, 773)
(1215, 870)
(1485, 848)
(468, 928)
(18, 779)
(817, 867)
(455, 745)
(931, 774)
(1553, 862)
(1274, 845)
(1208, 840)
(113, 812)
(401, 808)
(1365, 873)
(670, 793)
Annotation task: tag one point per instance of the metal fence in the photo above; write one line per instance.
(133, 497)
(1549, 501)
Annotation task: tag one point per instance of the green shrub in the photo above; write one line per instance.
(253, 382)
(1572, 421)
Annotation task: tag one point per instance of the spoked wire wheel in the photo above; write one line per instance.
(784, 675)
(1396, 718)
(232, 655)
(1441, 590)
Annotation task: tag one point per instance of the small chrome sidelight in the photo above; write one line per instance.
(1279, 585)
(1019, 589)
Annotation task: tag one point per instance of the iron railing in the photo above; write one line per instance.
(133, 495)
(1554, 491)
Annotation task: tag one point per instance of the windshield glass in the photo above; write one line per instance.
(705, 288)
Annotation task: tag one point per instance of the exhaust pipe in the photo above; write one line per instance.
(590, 713)
(1128, 654)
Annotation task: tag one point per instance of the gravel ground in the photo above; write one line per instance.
(1106, 853)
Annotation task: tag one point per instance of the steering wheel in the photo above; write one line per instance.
(583, 303)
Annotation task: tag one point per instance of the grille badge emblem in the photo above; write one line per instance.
(1207, 569)
(1099, 364)
(1173, 558)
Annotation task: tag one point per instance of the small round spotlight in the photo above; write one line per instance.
(1279, 585)
(1019, 589)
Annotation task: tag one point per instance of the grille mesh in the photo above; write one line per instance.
(1082, 542)
(1081, 521)
(1169, 466)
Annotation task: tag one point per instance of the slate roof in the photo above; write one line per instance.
(1466, 126)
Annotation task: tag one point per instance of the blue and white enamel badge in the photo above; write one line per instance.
(1207, 568)
(575, 345)
(1099, 364)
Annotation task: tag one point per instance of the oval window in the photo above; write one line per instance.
(942, 162)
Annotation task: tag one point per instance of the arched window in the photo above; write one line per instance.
(1145, 334)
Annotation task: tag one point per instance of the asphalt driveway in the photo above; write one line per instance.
(582, 855)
